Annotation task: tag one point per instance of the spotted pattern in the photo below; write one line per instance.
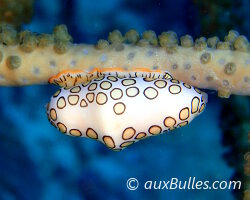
(167, 76)
(61, 103)
(187, 86)
(101, 98)
(90, 97)
(132, 91)
(120, 76)
(169, 122)
(128, 133)
(73, 99)
(149, 79)
(151, 93)
(197, 90)
(57, 93)
(119, 108)
(126, 144)
(117, 149)
(116, 93)
(175, 81)
(172, 128)
(112, 78)
(202, 98)
(91, 133)
(124, 96)
(174, 89)
(154, 130)
(62, 127)
(83, 103)
(183, 123)
(86, 84)
(195, 105)
(105, 85)
(100, 78)
(76, 89)
(128, 82)
(75, 132)
(140, 135)
(160, 84)
(184, 113)
(108, 141)
(92, 86)
(53, 114)
(202, 108)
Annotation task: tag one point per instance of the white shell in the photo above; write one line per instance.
(121, 111)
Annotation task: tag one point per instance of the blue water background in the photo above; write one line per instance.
(37, 162)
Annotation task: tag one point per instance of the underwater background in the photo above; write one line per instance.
(38, 162)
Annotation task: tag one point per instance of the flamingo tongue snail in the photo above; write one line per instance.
(119, 108)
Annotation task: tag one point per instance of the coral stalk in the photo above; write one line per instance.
(221, 69)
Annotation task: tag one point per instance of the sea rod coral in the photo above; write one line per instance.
(27, 58)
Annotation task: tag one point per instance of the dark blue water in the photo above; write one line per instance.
(38, 162)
